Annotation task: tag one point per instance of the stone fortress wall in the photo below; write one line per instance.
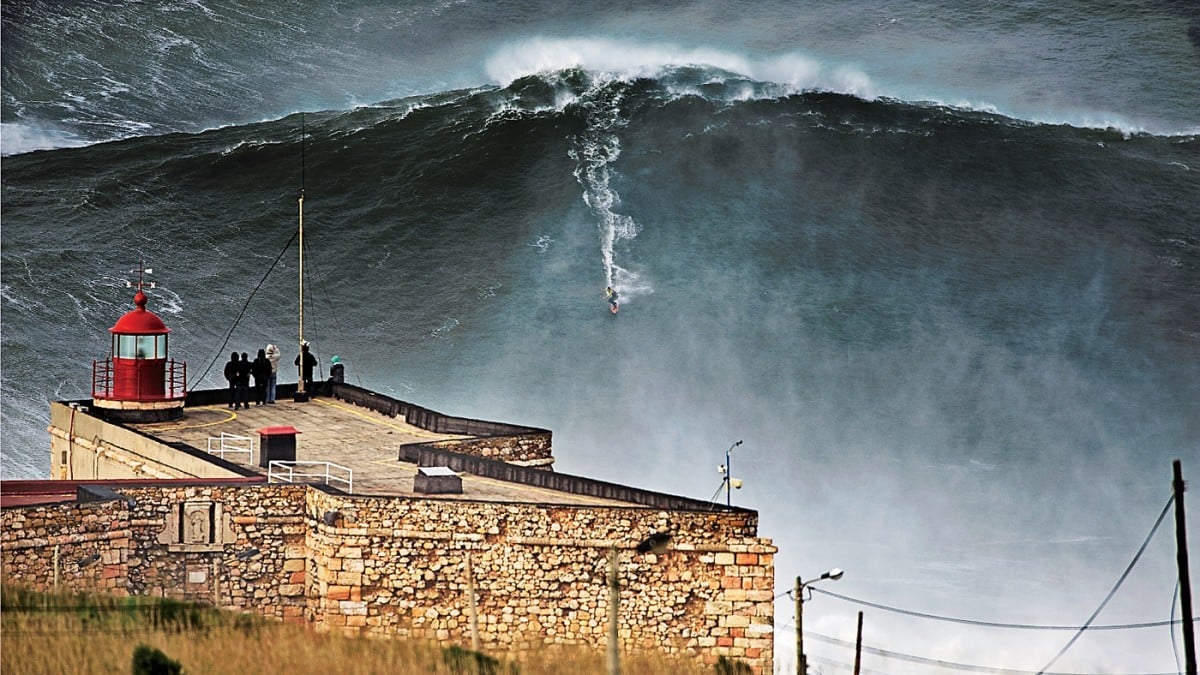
(392, 566)
(396, 565)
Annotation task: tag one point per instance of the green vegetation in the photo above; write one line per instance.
(151, 661)
(50, 634)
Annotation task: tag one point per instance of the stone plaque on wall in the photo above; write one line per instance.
(197, 526)
(197, 523)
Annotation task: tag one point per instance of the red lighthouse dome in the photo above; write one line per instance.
(138, 382)
(140, 321)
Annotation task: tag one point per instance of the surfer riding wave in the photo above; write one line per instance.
(610, 294)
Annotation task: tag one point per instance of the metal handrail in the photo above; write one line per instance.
(285, 471)
(231, 443)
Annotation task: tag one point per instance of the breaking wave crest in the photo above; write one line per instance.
(612, 59)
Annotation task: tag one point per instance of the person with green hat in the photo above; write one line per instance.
(337, 371)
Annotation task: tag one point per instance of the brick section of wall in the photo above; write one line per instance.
(527, 449)
(261, 566)
(397, 566)
(72, 546)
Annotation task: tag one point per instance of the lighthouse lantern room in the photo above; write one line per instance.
(138, 382)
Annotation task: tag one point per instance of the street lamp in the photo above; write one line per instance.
(656, 543)
(801, 661)
(730, 481)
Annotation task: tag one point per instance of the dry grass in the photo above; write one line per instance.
(54, 634)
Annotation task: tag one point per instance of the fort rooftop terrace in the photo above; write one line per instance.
(383, 442)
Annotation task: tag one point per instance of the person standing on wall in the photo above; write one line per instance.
(337, 373)
(307, 362)
(231, 376)
(272, 380)
(261, 369)
(244, 368)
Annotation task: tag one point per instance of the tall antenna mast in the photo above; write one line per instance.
(301, 394)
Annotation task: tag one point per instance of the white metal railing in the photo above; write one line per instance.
(228, 442)
(290, 472)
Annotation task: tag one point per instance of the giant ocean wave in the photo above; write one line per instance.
(941, 314)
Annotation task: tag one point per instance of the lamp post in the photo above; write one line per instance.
(657, 544)
(729, 476)
(614, 601)
(801, 661)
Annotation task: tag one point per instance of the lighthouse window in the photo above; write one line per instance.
(141, 346)
(127, 346)
(145, 347)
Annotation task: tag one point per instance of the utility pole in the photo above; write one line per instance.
(801, 662)
(471, 606)
(1185, 584)
(614, 599)
(858, 646)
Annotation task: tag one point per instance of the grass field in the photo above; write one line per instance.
(53, 634)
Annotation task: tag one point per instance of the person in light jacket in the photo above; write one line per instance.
(272, 353)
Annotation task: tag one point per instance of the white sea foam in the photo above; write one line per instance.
(167, 301)
(19, 301)
(486, 291)
(599, 55)
(595, 150)
(629, 60)
(443, 331)
(1100, 120)
(543, 243)
(794, 72)
(16, 139)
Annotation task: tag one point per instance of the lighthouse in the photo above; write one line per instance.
(138, 382)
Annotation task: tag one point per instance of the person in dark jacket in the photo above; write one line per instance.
(337, 375)
(307, 362)
(261, 369)
(243, 382)
(231, 376)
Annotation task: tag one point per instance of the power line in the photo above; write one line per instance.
(238, 318)
(941, 663)
(318, 277)
(1006, 671)
(1174, 647)
(1120, 581)
(844, 666)
(988, 624)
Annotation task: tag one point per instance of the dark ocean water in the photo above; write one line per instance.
(937, 264)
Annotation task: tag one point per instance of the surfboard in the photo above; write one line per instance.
(613, 308)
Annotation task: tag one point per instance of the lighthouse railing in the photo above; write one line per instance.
(176, 377)
(174, 384)
(102, 379)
